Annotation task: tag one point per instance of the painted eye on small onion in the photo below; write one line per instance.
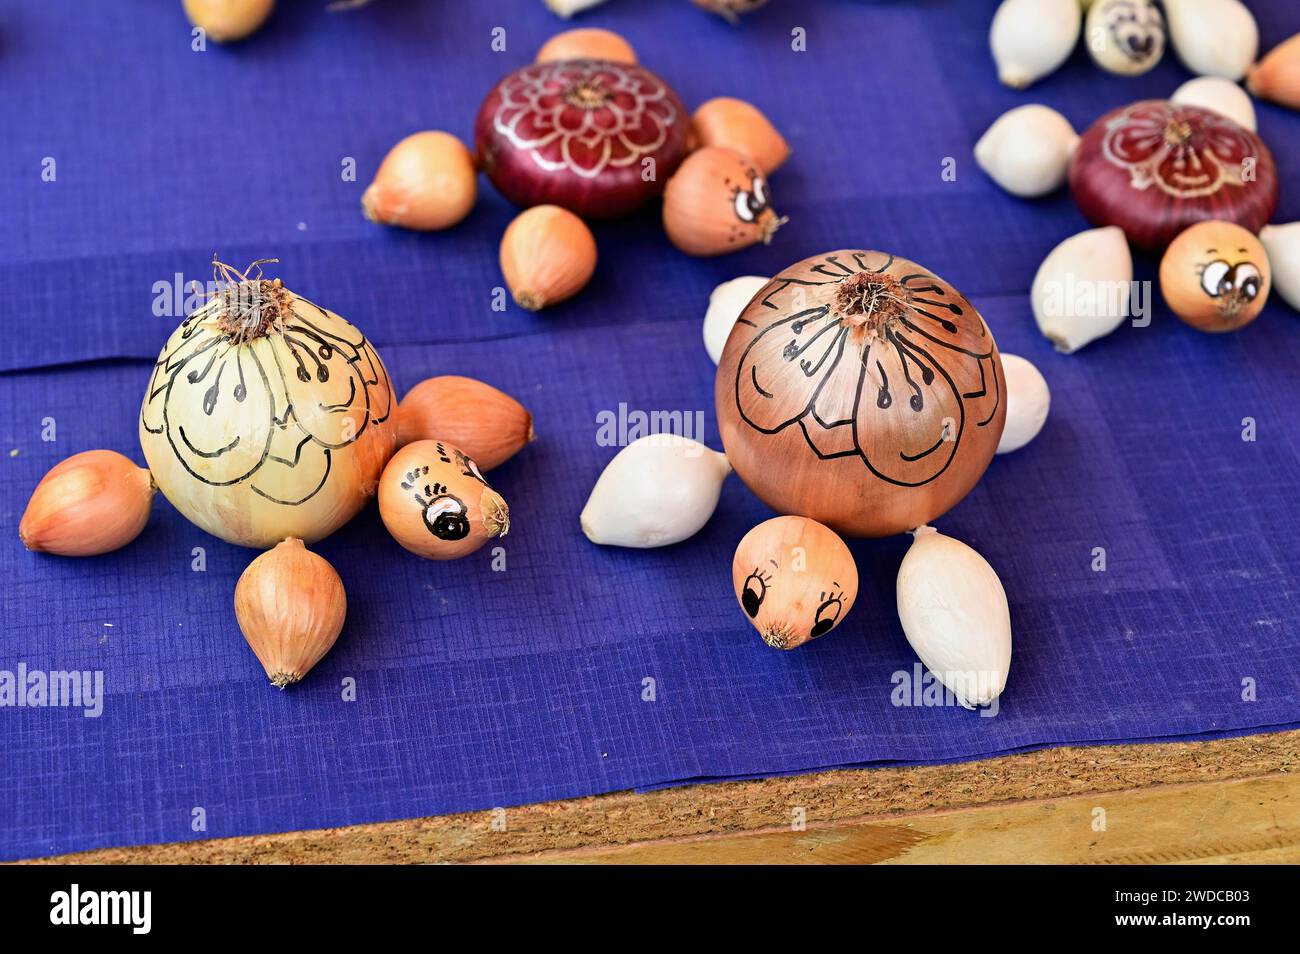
(1212, 277)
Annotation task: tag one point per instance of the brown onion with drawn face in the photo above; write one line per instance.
(795, 580)
(435, 502)
(1153, 168)
(862, 391)
(718, 202)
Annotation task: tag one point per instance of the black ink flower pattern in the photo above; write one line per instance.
(892, 341)
(291, 397)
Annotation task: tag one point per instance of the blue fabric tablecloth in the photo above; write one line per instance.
(477, 688)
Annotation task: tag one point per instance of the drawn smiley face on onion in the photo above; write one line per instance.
(1126, 36)
(718, 202)
(1215, 276)
(434, 501)
(794, 579)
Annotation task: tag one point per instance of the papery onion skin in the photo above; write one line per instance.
(842, 365)
(1153, 168)
(280, 456)
(595, 137)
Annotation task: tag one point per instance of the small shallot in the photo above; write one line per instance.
(795, 579)
(567, 8)
(228, 20)
(435, 502)
(1125, 36)
(955, 615)
(658, 490)
(1277, 76)
(736, 124)
(548, 254)
(290, 605)
(426, 182)
(729, 10)
(91, 503)
(588, 43)
(1027, 150)
(487, 424)
(718, 202)
(1215, 276)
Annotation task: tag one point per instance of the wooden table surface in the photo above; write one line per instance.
(1230, 800)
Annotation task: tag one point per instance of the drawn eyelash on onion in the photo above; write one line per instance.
(824, 623)
(750, 599)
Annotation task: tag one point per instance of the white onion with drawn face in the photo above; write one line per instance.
(1126, 36)
(267, 416)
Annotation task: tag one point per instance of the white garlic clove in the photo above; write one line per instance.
(955, 616)
(1126, 37)
(1028, 399)
(1282, 242)
(1213, 37)
(658, 490)
(1032, 38)
(1082, 289)
(1027, 150)
(567, 8)
(726, 302)
(1219, 96)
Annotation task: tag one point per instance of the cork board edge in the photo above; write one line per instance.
(624, 818)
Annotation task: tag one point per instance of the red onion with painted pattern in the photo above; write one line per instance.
(595, 137)
(1154, 168)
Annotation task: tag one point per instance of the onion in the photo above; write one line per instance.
(1126, 36)
(1153, 168)
(1277, 76)
(267, 416)
(795, 580)
(228, 20)
(435, 502)
(862, 391)
(596, 137)
(589, 43)
(1215, 276)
